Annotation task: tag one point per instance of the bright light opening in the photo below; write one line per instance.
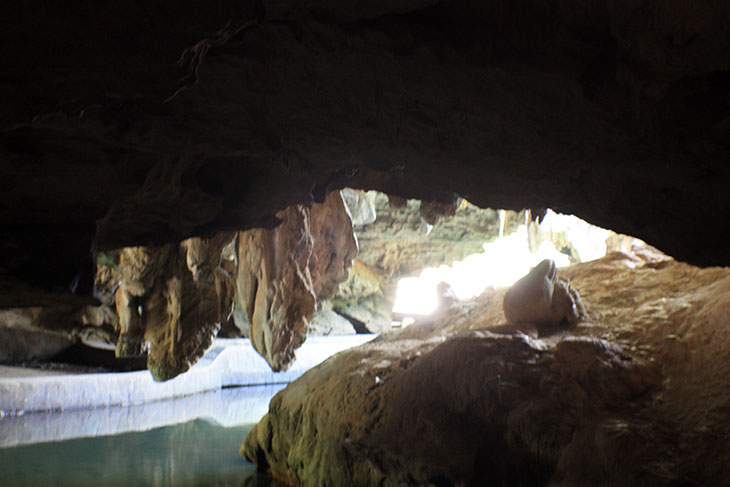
(502, 263)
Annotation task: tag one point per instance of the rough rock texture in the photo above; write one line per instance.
(41, 333)
(633, 395)
(335, 245)
(282, 271)
(168, 297)
(361, 205)
(543, 299)
(363, 299)
(21, 339)
(399, 242)
(328, 322)
(175, 297)
(615, 111)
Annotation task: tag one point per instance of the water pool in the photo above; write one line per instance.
(164, 446)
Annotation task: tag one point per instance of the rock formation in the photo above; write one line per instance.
(618, 113)
(171, 296)
(361, 206)
(335, 245)
(633, 395)
(543, 299)
(398, 241)
(22, 340)
(282, 272)
(43, 333)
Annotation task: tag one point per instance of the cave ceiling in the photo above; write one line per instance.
(132, 122)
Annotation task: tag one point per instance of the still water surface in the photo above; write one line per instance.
(199, 452)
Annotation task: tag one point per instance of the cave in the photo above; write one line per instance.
(140, 141)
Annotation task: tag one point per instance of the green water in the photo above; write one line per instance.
(196, 453)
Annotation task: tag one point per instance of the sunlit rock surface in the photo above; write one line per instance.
(400, 239)
(282, 271)
(543, 299)
(328, 322)
(401, 242)
(635, 394)
(168, 297)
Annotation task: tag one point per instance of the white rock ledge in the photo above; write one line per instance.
(225, 407)
(228, 362)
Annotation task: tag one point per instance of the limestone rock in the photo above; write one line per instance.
(41, 333)
(274, 289)
(635, 395)
(361, 206)
(401, 242)
(327, 322)
(433, 211)
(616, 111)
(543, 299)
(21, 339)
(580, 240)
(334, 245)
(281, 272)
(169, 297)
(361, 298)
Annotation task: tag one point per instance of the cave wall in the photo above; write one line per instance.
(616, 112)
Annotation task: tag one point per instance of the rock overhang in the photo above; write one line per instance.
(618, 114)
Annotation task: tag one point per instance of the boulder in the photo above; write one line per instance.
(327, 322)
(629, 396)
(543, 299)
(42, 333)
(22, 340)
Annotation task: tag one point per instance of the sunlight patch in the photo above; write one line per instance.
(502, 263)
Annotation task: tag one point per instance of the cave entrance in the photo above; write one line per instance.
(403, 257)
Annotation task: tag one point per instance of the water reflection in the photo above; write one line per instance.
(202, 451)
(227, 407)
(188, 454)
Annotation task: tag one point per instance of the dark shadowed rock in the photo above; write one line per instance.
(616, 112)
